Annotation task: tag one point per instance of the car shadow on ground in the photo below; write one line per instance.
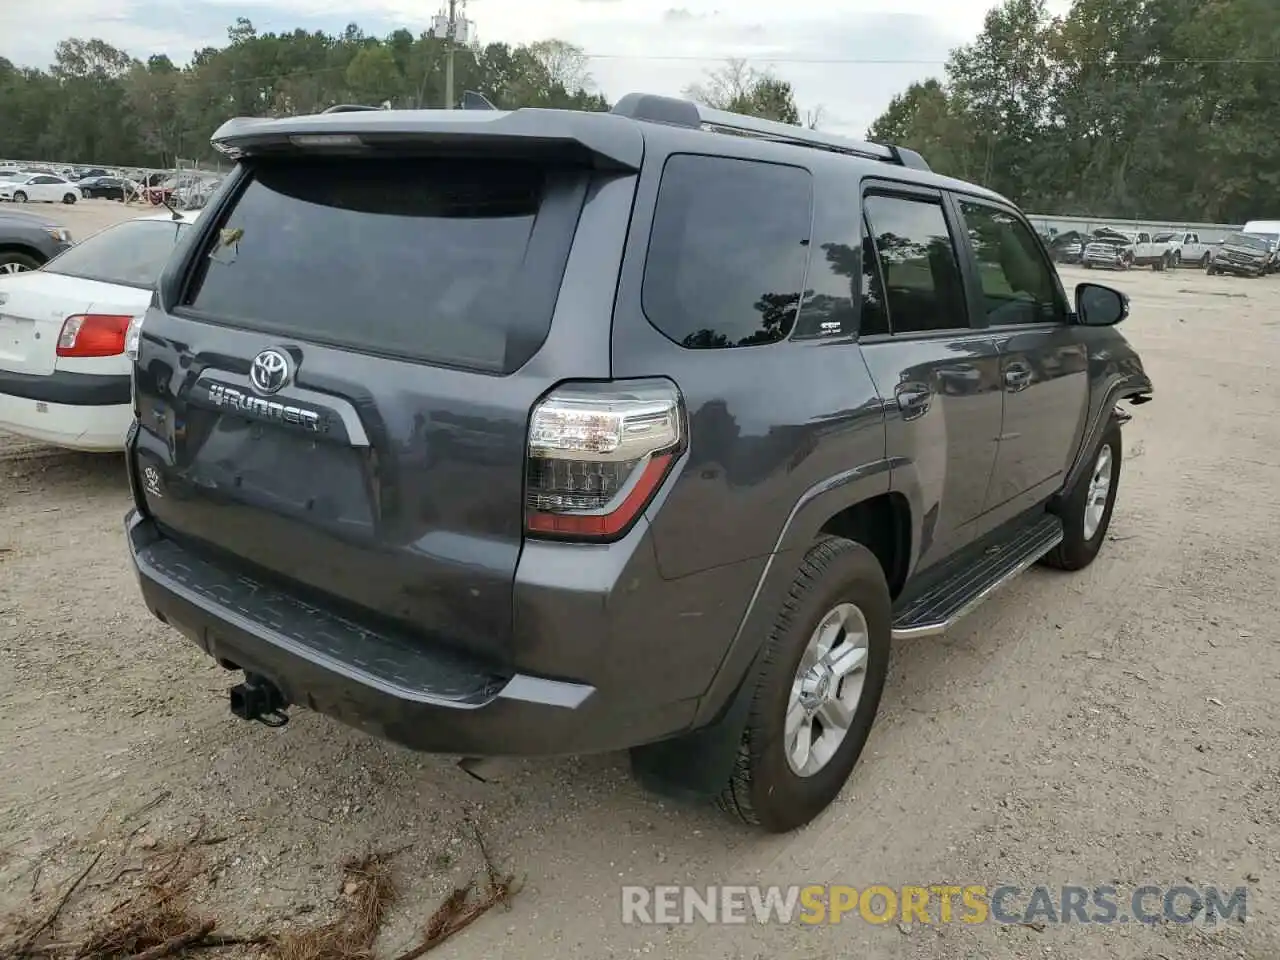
(43, 470)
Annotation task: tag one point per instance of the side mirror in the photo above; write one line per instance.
(1099, 306)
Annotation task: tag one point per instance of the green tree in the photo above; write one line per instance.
(740, 88)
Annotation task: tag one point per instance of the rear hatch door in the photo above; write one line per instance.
(334, 388)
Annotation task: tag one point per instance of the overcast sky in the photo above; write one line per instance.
(657, 46)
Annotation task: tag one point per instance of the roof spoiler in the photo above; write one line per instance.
(597, 140)
(677, 112)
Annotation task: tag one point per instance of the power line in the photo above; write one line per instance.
(800, 61)
(877, 61)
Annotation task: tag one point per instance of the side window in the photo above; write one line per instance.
(1017, 284)
(917, 260)
(44, 180)
(727, 252)
(875, 315)
(1144, 238)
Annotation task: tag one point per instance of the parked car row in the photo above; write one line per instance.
(1253, 251)
(187, 189)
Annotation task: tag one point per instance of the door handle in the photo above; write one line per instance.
(1017, 377)
(913, 399)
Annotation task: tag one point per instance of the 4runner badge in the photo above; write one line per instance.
(270, 371)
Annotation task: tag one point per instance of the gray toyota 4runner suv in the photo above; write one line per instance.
(541, 432)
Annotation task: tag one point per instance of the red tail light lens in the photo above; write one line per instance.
(597, 455)
(94, 335)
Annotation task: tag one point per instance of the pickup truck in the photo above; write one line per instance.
(1120, 250)
(1185, 248)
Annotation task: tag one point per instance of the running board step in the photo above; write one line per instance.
(938, 610)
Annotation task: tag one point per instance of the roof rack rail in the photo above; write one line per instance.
(686, 113)
(348, 108)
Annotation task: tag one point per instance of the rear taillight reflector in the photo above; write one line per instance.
(597, 454)
(94, 335)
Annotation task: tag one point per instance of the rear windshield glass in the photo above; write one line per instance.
(456, 262)
(132, 253)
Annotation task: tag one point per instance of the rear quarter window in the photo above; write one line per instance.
(455, 262)
(727, 251)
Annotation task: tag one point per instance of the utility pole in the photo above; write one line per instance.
(451, 34)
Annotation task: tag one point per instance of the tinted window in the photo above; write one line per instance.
(875, 314)
(829, 308)
(448, 261)
(918, 263)
(1017, 284)
(133, 253)
(727, 251)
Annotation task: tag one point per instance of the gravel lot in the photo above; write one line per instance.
(1115, 726)
(86, 217)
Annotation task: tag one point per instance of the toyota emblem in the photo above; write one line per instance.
(270, 371)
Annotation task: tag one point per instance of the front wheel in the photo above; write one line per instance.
(816, 689)
(1086, 508)
(19, 197)
(13, 262)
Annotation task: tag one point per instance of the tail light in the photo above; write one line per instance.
(94, 335)
(597, 454)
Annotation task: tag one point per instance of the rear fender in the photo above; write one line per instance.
(698, 764)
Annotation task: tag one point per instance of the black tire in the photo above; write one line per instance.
(69, 199)
(19, 197)
(1076, 551)
(12, 258)
(764, 791)
(1210, 269)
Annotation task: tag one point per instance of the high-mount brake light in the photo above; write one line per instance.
(325, 140)
(94, 335)
(598, 452)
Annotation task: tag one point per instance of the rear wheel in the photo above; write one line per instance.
(817, 687)
(1205, 261)
(1086, 508)
(13, 262)
(70, 198)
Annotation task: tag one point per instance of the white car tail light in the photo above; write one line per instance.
(132, 337)
(94, 335)
(597, 454)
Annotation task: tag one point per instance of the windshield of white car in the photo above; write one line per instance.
(132, 253)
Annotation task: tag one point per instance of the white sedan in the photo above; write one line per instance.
(39, 188)
(65, 333)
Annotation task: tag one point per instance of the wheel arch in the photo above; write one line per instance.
(854, 504)
(27, 249)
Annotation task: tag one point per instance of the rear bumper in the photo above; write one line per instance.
(392, 687)
(68, 389)
(95, 428)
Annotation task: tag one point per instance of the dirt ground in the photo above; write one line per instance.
(1116, 726)
(86, 217)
